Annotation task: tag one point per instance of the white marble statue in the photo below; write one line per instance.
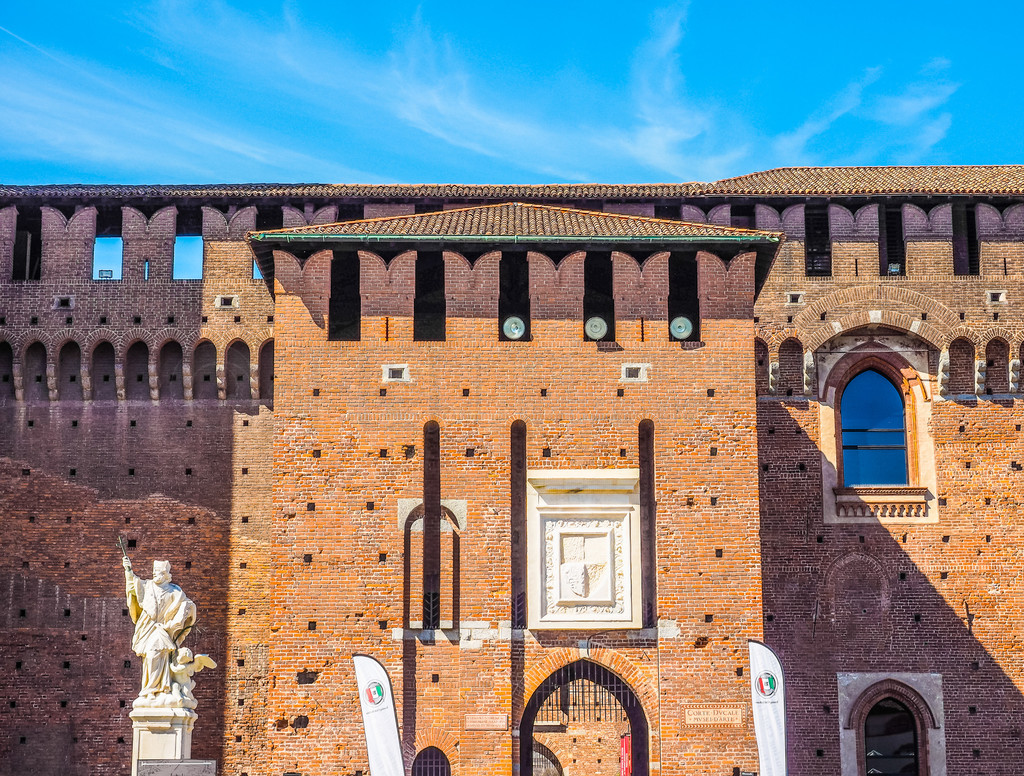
(183, 667)
(163, 616)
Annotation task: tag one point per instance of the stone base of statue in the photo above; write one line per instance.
(161, 734)
(177, 768)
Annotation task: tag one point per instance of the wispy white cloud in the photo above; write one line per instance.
(303, 84)
(59, 109)
(793, 146)
(671, 133)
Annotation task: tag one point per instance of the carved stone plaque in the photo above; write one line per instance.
(583, 532)
(713, 715)
(486, 722)
(177, 768)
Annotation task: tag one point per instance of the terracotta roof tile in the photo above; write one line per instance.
(839, 181)
(981, 180)
(521, 220)
(583, 191)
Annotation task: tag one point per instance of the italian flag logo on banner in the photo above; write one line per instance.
(767, 684)
(374, 693)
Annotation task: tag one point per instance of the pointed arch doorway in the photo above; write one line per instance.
(586, 710)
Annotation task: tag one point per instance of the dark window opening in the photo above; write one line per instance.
(28, 245)
(428, 207)
(514, 297)
(667, 212)
(431, 525)
(270, 217)
(873, 432)
(890, 739)
(892, 251)
(966, 256)
(517, 488)
(429, 306)
(598, 297)
(345, 308)
(648, 521)
(817, 240)
(742, 216)
(683, 300)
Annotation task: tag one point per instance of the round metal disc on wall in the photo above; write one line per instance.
(513, 327)
(596, 328)
(681, 327)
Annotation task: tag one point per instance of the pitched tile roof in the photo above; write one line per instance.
(580, 191)
(982, 180)
(518, 219)
(839, 181)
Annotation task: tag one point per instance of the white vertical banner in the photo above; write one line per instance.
(768, 696)
(380, 720)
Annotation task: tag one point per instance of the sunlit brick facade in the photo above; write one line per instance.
(551, 541)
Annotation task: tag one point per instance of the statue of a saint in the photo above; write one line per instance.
(163, 616)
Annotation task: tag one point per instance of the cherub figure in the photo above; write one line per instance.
(183, 666)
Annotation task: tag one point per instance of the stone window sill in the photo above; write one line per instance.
(890, 502)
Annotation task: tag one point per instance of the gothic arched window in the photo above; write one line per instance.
(890, 739)
(874, 435)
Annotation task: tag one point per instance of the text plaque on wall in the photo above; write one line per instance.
(713, 715)
(487, 722)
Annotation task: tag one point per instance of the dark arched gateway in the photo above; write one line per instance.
(431, 762)
(578, 695)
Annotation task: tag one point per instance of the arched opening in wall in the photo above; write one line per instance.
(874, 432)
(6, 373)
(236, 371)
(171, 360)
(895, 729)
(961, 366)
(69, 372)
(267, 372)
(204, 371)
(890, 739)
(136, 372)
(104, 383)
(545, 762)
(997, 367)
(761, 367)
(35, 373)
(791, 368)
(431, 570)
(588, 708)
(431, 762)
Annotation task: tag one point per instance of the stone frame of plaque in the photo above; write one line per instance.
(583, 549)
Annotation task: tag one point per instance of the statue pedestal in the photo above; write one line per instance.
(161, 734)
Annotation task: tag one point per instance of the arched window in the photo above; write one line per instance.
(874, 437)
(136, 372)
(104, 382)
(171, 360)
(890, 739)
(431, 762)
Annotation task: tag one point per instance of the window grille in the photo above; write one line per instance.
(431, 762)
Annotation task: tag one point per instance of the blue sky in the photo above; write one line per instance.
(526, 92)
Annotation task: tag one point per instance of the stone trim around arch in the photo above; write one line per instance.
(642, 686)
(439, 739)
(920, 693)
(908, 368)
